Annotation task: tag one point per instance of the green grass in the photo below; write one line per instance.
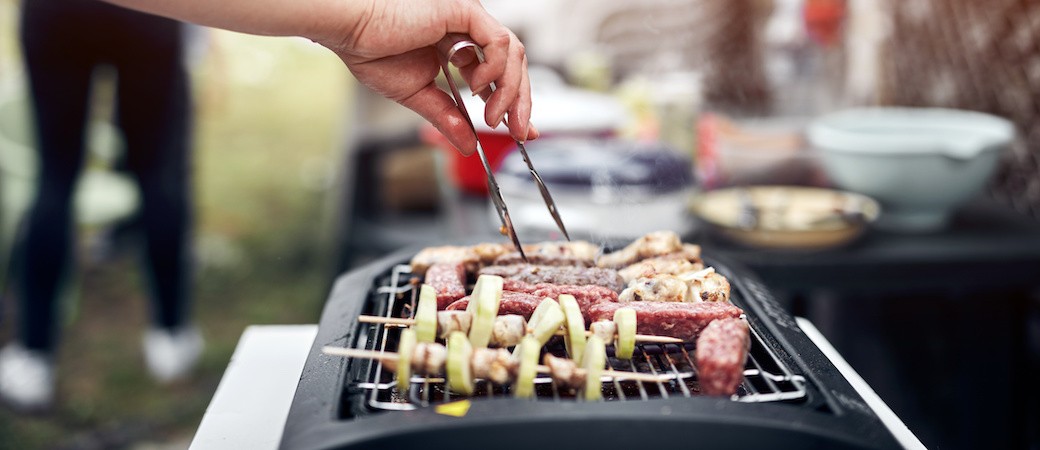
(269, 123)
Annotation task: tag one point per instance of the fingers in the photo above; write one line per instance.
(505, 64)
(439, 109)
(519, 117)
(508, 85)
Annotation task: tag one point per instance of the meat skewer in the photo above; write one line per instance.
(586, 295)
(448, 321)
(679, 320)
(495, 365)
(522, 298)
(519, 303)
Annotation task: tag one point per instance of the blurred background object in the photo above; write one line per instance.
(787, 217)
(606, 189)
(921, 163)
(980, 56)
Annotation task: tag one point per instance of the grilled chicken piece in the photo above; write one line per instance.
(487, 253)
(445, 254)
(448, 321)
(707, 285)
(657, 288)
(494, 364)
(653, 244)
(564, 372)
(429, 358)
(508, 330)
(670, 264)
(605, 329)
(583, 250)
(700, 286)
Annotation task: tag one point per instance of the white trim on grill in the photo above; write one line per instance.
(896, 426)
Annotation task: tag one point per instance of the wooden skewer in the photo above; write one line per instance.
(392, 357)
(402, 322)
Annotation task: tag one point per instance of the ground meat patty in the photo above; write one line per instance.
(449, 280)
(511, 258)
(518, 303)
(721, 352)
(585, 295)
(574, 276)
(679, 320)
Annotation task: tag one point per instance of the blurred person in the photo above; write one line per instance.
(63, 42)
(393, 47)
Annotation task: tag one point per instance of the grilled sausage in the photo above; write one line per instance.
(679, 320)
(721, 353)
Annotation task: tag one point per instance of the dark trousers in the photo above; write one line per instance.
(63, 42)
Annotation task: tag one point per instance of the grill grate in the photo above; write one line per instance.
(767, 379)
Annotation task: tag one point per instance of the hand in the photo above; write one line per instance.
(394, 48)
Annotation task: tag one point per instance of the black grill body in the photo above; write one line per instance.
(329, 410)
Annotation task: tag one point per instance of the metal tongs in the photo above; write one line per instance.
(496, 194)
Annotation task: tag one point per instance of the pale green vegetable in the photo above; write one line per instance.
(536, 316)
(405, 348)
(595, 360)
(575, 323)
(530, 350)
(625, 319)
(483, 305)
(460, 355)
(548, 322)
(426, 315)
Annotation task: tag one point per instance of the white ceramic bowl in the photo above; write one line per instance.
(920, 163)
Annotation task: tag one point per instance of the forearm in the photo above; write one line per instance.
(318, 20)
(391, 46)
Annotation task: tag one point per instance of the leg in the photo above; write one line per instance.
(59, 78)
(154, 113)
(58, 57)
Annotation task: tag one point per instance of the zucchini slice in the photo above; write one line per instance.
(575, 322)
(625, 345)
(530, 350)
(460, 355)
(405, 349)
(426, 315)
(545, 326)
(483, 305)
(595, 360)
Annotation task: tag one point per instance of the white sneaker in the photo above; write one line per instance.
(26, 378)
(172, 354)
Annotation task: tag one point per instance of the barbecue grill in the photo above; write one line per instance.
(792, 395)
